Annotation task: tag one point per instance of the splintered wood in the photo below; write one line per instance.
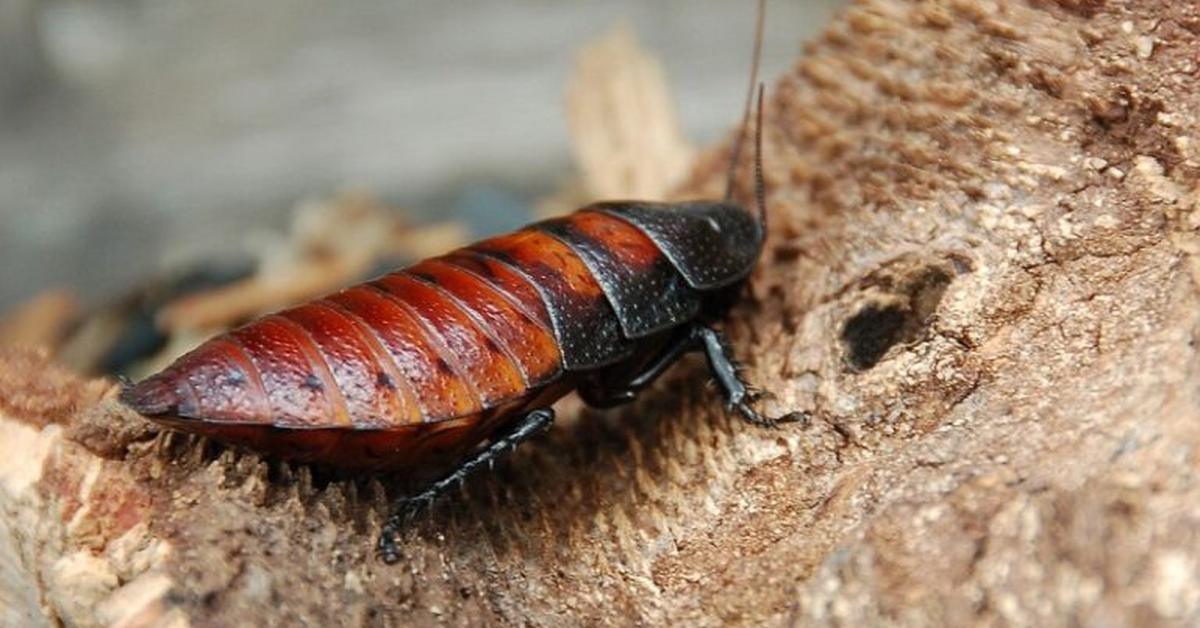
(42, 322)
(625, 132)
(332, 243)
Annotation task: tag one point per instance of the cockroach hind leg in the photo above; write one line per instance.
(404, 513)
(386, 547)
(407, 508)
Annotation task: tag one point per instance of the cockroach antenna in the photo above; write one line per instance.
(741, 136)
(760, 185)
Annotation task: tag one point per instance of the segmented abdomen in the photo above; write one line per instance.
(449, 337)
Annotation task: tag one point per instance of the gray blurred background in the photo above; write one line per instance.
(137, 134)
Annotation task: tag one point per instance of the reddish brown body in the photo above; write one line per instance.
(432, 360)
(428, 362)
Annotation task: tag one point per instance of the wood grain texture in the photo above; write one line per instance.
(981, 279)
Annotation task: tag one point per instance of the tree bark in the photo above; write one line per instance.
(981, 281)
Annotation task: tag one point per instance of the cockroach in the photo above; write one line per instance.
(459, 357)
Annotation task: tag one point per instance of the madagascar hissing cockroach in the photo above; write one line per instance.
(431, 362)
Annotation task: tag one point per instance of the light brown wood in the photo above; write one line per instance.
(1000, 196)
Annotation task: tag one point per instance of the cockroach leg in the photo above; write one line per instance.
(738, 394)
(406, 508)
(725, 370)
(600, 394)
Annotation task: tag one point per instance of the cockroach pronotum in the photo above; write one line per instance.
(460, 356)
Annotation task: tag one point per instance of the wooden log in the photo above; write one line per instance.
(981, 280)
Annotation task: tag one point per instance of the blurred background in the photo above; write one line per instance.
(140, 136)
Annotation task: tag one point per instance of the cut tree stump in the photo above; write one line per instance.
(981, 280)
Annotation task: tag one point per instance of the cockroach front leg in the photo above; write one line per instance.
(406, 508)
(720, 361)
(725, 370)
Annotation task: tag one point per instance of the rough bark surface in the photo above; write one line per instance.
(982, 282)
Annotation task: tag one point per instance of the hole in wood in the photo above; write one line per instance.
(894, 319)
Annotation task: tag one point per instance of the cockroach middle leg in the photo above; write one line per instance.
(598, 393)
(406, 508)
